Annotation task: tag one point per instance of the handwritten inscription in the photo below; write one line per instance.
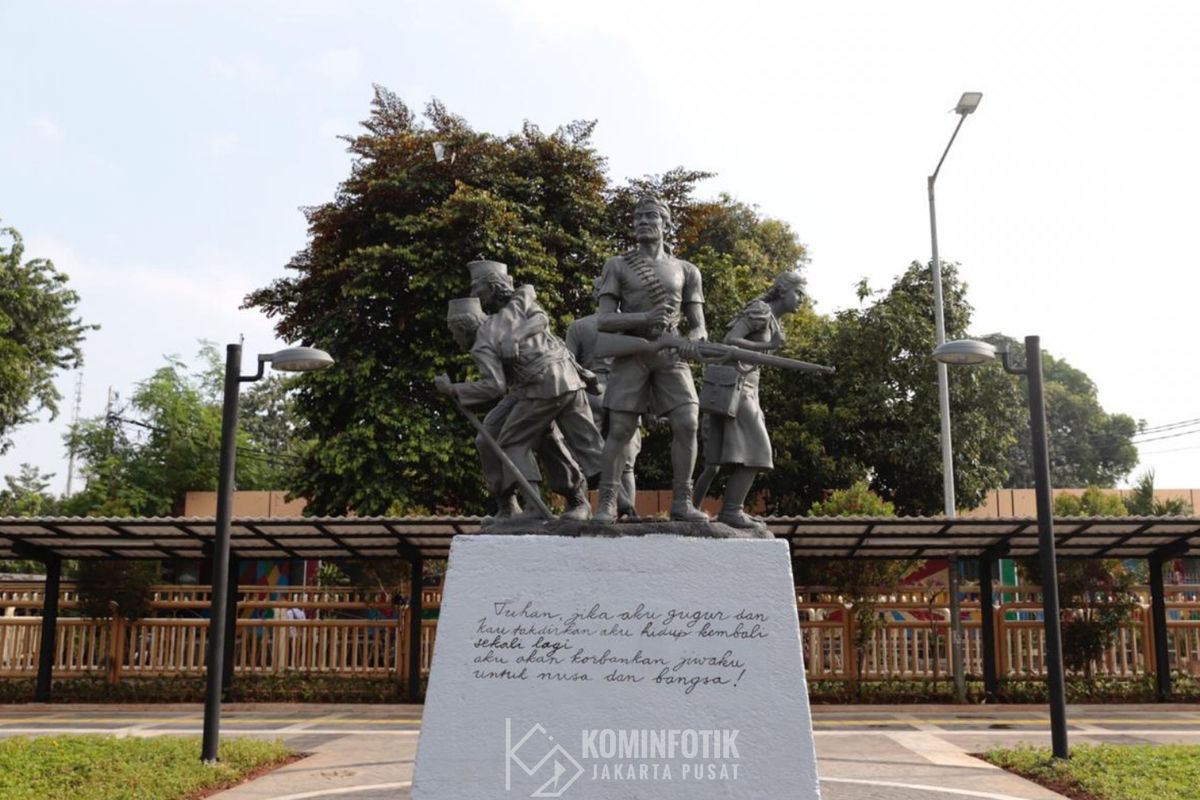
(679, 649)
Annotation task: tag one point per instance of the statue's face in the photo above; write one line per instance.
(493, 294)
(464, 335)
(648, 224)
(791, 299)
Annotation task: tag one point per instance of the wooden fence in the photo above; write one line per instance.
(357, 632)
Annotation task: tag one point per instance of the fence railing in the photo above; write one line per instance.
(359, 632)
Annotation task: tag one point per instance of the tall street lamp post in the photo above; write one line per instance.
(973, 352)
(292, 359)
(966, 105)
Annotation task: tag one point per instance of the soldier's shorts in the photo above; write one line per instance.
(657, 383)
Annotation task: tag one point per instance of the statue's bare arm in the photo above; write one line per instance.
(694, 314)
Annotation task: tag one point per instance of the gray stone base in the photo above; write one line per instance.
(643, 527)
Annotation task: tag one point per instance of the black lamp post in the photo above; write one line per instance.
(973, 352)
(292, 359)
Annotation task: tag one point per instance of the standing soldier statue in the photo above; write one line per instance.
(581, 341)
(644, 293)
(735, 432)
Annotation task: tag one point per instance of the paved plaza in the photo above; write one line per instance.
(863, 752)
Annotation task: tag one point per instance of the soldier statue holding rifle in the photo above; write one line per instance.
(644, 295)
(647, 293)
(735, 433)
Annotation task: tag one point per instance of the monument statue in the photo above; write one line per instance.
(550, 642)
(581, 341)
(543, 394)
(646, 293)
(734, 431)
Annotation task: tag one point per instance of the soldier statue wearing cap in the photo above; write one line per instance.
(541, 388)
(647, 293)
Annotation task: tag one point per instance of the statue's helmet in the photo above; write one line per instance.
(461, 308)
(485, 272)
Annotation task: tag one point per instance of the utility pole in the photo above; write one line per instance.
(74, 424)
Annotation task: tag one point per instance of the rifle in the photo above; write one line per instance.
(609, 345)
(527, 489)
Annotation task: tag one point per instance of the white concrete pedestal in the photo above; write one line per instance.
(638, 667)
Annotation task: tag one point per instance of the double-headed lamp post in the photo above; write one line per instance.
(966, 105)
(968, 352)
(291, 359)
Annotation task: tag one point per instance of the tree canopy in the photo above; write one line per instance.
(878, 416)
(1088, 445)
(40, 334)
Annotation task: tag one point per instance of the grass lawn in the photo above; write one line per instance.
(105, 768)
(1111, 771)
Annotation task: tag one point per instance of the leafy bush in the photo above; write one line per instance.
(285, 687)
(122, 587)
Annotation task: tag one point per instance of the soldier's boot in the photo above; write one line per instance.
(507, 506)
(627, 496)
(736, 490)
(735, 517)
(606, 509)
(681, 505)
(578, 507)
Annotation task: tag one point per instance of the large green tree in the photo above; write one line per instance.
(877, 416)
(40, 334)
(385, 256)
(1088, 445)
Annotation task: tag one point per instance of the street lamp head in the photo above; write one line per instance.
(968, 103)
(966, 352)
(298, 359)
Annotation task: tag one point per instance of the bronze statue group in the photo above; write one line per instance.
(620, 368)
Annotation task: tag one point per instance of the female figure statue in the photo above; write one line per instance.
(735, 433)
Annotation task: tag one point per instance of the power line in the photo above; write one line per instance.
(1172, 450)
(1169, 426)
(1169, 435)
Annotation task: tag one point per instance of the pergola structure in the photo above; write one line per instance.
(415, 539)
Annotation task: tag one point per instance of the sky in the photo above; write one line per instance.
(159, 154)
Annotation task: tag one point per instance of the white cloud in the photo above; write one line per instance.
(330, 128)
(47, 129)
(222, 144)
(199, 285)
(65, 259)
(339, 65)
(244, 71)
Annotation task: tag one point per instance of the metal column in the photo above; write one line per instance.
(231, 612)
(220, 557)
(415, 612)
(1158, 611)
(45, 674)
(987, 635)
(1052, 621)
